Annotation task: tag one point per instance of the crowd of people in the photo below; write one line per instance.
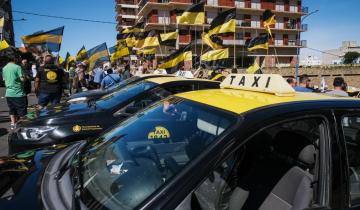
(303, 85)
(48, 80)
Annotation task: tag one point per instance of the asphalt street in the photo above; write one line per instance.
(5, 120)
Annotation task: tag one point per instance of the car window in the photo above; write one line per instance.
(128, 163)
(143, 101)
(276, 168)
(123, 83)
(180, 88)
(351, 131)
(114, 99)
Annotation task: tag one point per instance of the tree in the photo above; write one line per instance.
(350, 57)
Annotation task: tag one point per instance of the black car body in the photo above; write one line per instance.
(98, 93)
(78, 121)
(67, 179)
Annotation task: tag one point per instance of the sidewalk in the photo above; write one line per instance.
(5, 120)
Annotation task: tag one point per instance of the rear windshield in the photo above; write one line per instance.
(114, 99)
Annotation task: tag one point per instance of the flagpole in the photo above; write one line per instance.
(235, 49)
(202, 42)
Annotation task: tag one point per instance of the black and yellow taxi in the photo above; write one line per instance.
(255, 143)
(78, 121)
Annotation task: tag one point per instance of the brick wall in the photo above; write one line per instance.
(351, 74)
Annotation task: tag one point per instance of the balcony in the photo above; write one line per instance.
(246, 24)
(126, 2)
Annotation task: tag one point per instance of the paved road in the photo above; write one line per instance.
(5, 120)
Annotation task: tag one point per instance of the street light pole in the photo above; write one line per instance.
(298, 48)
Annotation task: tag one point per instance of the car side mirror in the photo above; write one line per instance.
(122, 114)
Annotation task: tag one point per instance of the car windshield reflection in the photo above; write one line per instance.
(128, 163)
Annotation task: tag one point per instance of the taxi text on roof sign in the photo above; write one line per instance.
(268, 83)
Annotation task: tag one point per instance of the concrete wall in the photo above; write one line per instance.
(351, 74)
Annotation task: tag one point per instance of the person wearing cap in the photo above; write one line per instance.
(304, 83)
(339, 88)
(110, 79)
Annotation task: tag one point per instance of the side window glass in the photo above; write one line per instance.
(351, 131)
(144, 101)
(180, 88)
(275, 169)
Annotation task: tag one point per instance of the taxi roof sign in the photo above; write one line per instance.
(268, 83)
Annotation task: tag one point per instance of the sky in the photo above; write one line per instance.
(76, 33)
(336, 21)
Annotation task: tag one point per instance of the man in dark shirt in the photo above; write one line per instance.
(49, 83)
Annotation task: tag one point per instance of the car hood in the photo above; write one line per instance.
(89, 94)
(21, 175)
(60, 112)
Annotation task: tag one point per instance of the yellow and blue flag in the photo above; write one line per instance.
(97, 54)
(81, 54)
(45, 41)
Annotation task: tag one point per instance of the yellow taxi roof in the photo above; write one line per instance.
(239, 101)
(162, 80)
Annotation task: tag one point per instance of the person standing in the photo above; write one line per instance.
(291, 81)
(110, 79)
(98, 76)
(49, 83)
(27, 74)
(126, 73)
(304, 83)
(15, 95)
(339, 88)
(71, 77)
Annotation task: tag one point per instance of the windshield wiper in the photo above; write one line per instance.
(67, 164)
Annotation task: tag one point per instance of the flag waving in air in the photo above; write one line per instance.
(218, 58)
(172, 62)
(81, 54)
(195, 14)
(269, 20)
(45, 41)
(225, 22)
(97, 54)
(214, 41)
(259, 42)
(4, 45)
(169, 39)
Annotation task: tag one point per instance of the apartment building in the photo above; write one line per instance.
(161, 15)
(126, 13)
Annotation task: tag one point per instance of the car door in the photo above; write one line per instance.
(269, 171)
(215, 170)
(349, 143)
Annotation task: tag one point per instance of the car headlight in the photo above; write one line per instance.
(80, 99)
(36, 133)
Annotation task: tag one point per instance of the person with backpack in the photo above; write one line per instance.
(110, 79)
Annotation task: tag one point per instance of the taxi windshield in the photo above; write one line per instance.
(124, 166)
(123, 83)
(111, 100)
